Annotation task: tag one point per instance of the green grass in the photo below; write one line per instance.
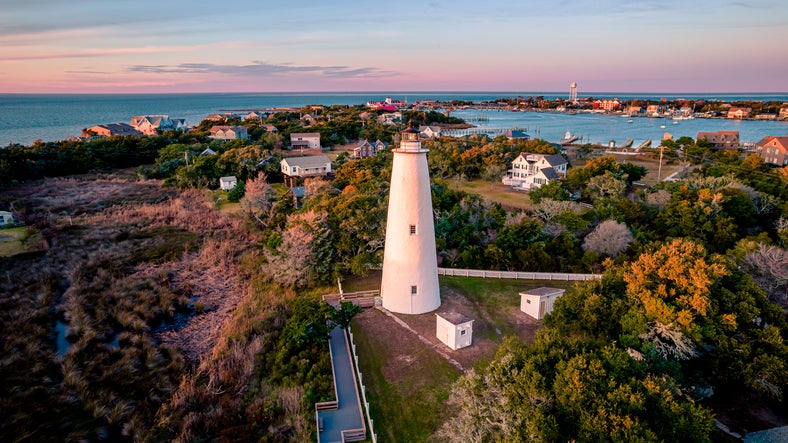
(13, 241)
(498, 297)
(369, 283)
(409, 406)
(495, 192)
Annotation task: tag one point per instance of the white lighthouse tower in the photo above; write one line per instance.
(410, 266)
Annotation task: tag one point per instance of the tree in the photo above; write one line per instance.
(258, 200)
(608, 238)
(768, 265)
(344, 314)
(553, 190)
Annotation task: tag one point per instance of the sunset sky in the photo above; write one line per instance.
(105, 46)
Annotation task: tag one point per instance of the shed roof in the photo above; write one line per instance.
(544, 290)
(454, 317)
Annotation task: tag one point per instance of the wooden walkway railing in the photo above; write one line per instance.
(517, 275)
(362, 299)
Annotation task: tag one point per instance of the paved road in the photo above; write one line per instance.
(348, 416)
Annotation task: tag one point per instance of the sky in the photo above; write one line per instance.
(171, 46)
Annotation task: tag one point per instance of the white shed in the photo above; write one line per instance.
(6, 218)
(538, 302)
(455, 330)
(227, 183)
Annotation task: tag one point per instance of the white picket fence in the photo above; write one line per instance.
(363, 388)
(517, 275)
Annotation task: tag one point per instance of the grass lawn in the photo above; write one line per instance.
(494, 191)
(498, 298)
(407, 383)
(12, 241)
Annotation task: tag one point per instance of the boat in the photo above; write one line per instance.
(629, 121)
(675, 122)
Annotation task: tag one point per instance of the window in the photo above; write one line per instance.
(463, 332)
(528, 301)
(413, 231)
(413, 290)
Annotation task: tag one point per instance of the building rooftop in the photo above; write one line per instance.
(454, 317)
(544, 290)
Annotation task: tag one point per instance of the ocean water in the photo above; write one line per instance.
(49, 117)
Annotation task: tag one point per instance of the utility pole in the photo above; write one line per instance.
(659, 171)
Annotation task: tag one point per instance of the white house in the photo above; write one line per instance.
(455, 330)
(6, 219)
(227, 183)
(530, 171)
(306, 140)
(308, 166)
(538, 302)
(430, 131)
(228, 132)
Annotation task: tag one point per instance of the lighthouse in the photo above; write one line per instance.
(410, 266)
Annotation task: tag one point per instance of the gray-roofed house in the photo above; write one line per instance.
(430, 131)
(228, 132)
(227, 183)
(301, 167)
(530, 171)
(305, 140)
(151, 124)
(539, 301)
(110, 129)
(366, 149)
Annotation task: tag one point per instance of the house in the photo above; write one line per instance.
(227, 183)
(539, 302)
(530, 171)
(6, 219)
(305, 140)
(390, 118)
(256, 115)
(308, 120)
(455, 330)
(269, 128)
(228, 132)
(739, 113)
(653, 110)
(207, 151)
(110, 129)
(430, 131)
(366, 149)
(388, 104)
(721, 139)
(516, 133)
(152, 124)
(783, 115)
(773, 150)
(607, 105)
(300, 167)
(766, 116)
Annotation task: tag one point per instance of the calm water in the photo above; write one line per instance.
(599, 128)
(27, 117)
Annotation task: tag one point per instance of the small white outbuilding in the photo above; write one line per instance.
(538, 302)
(455, 330)
(6, 219)
(227, 183)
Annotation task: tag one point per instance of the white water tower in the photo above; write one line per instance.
(410, 265)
